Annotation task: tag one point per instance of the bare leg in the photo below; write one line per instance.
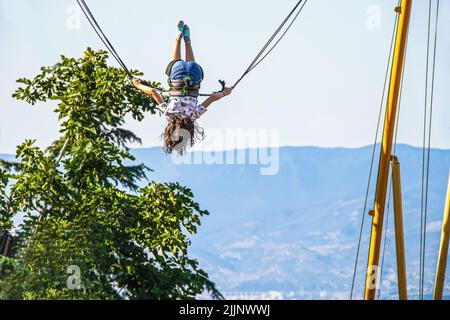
(189, 51)
(176, 54)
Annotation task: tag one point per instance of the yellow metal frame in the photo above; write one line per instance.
(399, 233)
(443, 251)
(404, 12)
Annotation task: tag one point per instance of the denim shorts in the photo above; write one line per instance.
(182, 69)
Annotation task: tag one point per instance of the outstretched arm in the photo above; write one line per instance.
(217, 96)
(149, 90)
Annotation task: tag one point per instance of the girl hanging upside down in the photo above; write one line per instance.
(183, 109)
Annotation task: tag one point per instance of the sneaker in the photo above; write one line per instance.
(180, 29)
(187, 33)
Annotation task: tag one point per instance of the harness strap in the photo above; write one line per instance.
(170, 66)
(179, 88)
(172, 63)
(182, 88)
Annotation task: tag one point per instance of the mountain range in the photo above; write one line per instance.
(293, 234)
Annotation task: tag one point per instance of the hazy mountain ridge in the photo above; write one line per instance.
(294, 235)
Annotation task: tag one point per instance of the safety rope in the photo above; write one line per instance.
(390, 182)
(43, 212)
(264, 52)
(90, 17)
(427, 148)
(372, 163)
(261, 56)
(427, 72)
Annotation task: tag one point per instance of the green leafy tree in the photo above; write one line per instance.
(89, 231)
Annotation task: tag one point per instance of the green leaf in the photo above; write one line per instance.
(89, 210)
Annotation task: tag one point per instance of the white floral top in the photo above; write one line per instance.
(183, 105)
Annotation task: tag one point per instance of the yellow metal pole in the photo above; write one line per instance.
(443, 251)
(399, 234)
(404, 12)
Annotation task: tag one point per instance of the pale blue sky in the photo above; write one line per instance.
(321, 86)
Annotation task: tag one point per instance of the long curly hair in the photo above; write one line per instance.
(181, 133)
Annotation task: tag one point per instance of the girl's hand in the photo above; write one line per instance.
(222, 94)
(227, 91)
(136, 82)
